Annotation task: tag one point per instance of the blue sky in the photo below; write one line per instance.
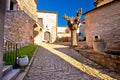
(68, 7)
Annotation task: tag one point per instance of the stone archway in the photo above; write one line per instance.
(37, 33)
(47, 36)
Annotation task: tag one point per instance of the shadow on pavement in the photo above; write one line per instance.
(65, 54)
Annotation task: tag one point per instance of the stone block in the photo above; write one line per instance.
(114, 57)
(104, 59)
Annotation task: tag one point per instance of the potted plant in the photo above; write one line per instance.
(23, 60)
(99, 45)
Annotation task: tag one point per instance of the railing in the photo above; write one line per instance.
(11, 53)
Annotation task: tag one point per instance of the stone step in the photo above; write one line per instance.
(6, 69)
(11, 75)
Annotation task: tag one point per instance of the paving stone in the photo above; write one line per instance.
(48, 66)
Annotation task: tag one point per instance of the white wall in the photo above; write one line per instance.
(49, 20)
(61, 29)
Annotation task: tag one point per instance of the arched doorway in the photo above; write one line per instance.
(47, 36)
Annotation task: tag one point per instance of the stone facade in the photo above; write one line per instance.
(2, 15)
(20, 20)
(18, 27)
(49, 20)
(104, 22)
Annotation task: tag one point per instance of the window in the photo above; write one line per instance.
(11, 5)
(96, 37)
(79, 34)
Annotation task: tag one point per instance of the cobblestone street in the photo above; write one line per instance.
(58, 62)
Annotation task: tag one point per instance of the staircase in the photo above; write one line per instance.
(9, 73)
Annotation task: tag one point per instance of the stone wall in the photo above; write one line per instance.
(107, 60)
(2, 15)
(104, 22)
(19, 27)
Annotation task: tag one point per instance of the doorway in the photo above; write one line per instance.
(47, 36)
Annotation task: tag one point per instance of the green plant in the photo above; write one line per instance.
(28, 50)
(24, 51)
(99, 40)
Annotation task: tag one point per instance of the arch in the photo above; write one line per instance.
(47, 36)
(35, 25)
(35, 32)
(37, 29)
(38, 33)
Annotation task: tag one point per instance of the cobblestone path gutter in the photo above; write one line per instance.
(58, 62)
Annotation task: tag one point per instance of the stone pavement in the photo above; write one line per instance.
(58, 62)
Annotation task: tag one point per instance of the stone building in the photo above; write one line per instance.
(20, 20)
(49, 23)
(104, 22)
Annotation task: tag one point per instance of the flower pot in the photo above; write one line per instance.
(23, 61)
(99, 46)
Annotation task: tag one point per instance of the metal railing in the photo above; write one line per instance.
(11, 53)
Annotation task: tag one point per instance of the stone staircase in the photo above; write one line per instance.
(9, 73)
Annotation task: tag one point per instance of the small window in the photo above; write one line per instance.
(96, 37)
(80, 34)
